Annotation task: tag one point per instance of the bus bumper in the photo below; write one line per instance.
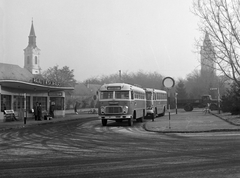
(115, 117)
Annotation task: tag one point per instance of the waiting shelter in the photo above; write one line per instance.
(20, 90)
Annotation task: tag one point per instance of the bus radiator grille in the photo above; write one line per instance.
(114, 110)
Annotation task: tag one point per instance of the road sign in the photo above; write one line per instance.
(168, 82)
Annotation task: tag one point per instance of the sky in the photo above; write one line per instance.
(100, 37)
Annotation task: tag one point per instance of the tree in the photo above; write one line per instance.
(63, 76)
(231, 100)
(181, 90)
(150, 80)
(221, 20)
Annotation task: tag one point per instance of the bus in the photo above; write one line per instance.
(121, 101)
(156, 101)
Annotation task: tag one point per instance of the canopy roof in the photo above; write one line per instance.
(13, 76)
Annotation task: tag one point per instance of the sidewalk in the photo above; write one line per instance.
(31, 121)
(190, 122)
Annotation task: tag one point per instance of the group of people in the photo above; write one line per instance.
(38, 111)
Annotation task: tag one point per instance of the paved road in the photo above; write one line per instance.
(83, 148)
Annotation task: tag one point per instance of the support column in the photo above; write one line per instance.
(1, 113)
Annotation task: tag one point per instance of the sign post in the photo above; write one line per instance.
(176, 101)
(25, 108)
(169, 83)
(218, 98)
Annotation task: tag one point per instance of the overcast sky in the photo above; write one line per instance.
(101, 37)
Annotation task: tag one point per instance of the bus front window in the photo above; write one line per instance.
(122, 94)
(106, 95)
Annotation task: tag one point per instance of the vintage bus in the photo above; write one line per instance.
(121, 101)
(156, 101)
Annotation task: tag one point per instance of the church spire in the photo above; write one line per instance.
(32, 37)
(32, 54)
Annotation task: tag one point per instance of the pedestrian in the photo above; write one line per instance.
(207, 109)
(51, 109)
(39, 112)
(75, 108)
(35, 111)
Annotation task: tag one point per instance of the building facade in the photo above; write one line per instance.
(21, 88)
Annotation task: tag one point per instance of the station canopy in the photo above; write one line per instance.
(13, 76)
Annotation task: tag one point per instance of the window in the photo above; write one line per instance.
(5, 102)
(59, 102)
(42, 100)
(132, 95)
(106, 95)
(18, 102)
(122, 94)
(36, 60)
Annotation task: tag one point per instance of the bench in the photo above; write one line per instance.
(47, 117)
(9, 115)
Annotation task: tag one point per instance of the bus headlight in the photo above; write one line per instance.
(102, 109)
(125, 109)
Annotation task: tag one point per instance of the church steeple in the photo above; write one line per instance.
(32, 37)
(32, 54)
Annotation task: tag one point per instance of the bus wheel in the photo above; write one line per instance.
(130, 121)
(104, 122)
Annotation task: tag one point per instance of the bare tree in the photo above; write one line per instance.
(221, 20)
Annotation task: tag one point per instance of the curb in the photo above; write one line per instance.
(198, 131)
(225, 120)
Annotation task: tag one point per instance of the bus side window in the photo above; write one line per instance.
(132, 95)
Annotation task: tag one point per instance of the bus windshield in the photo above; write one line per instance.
(106, 95)
(149, 95)
(122, 94)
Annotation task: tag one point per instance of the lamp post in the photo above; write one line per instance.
(25, 107)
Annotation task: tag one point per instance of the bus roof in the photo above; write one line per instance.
(120, 86)
(155, 90)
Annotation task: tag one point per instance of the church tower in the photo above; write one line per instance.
(32, 53)
(208, 58)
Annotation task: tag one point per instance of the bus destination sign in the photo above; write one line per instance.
(114, 88)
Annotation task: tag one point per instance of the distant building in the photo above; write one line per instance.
(208, 57)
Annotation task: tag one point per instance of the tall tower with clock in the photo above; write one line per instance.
(32, 54)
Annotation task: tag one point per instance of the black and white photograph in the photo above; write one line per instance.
(119, 88)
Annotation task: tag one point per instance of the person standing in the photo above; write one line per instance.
(39, 112)
(75, 108)
(51, 109)
(35, 111)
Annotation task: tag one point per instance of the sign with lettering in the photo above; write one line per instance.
(45, 82)
(55, 94)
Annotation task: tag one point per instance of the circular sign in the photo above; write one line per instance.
(168, 82)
